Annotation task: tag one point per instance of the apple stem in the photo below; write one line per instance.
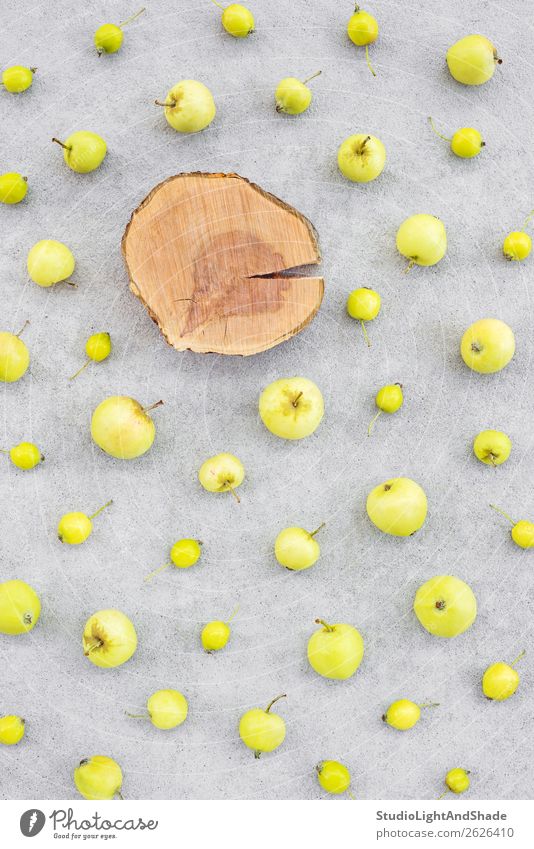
(132, 18)
(349, 794)
(34, 70)
(519, 657)
(94, 515)
(27, 618)
(506, 516)
(324, 624)
(137, 715)
(269, 706)
(364, 142)
(369, 61)
(23, 328)
(218, 4)
(60, 143)
(372, 422)
(4, 451)
(170, 105)
(153, 406)
(436, 131)
(119, 794)
(491, 458)
(444, 794)
(80, 370)
(295, 401)
(97, 644)
(316, 531)
(428, 705)
(156, 571)
(257, 753)
(235, 612)
(232, 490)
(410, 266)
(528, 219)
(309, 79)
(365, 336)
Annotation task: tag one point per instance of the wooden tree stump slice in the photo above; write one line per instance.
(210, 256)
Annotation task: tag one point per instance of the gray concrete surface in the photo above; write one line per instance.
(74, 709)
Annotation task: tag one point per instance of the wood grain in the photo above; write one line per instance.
(210, 256)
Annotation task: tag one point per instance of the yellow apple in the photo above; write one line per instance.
(397, 507)
(291, 407)
(472, 60)
(422, 239)
(98, 778)
(222, 473)
(501, 680)
(189, 106)
(109, 638)
(14, 357)
(445, 606)
(492, 447)
(83, 151)
(262, 730)
(296, 548)
(335, 651)
(50, 262)
(361, 158)
(488, 345)
(121, 427)
(167, 708)
(20, 607)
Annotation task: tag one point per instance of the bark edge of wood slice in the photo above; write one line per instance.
(210, 256)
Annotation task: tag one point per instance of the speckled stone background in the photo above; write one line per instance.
(367, 579)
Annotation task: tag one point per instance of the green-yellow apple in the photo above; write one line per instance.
(291, 407)
(20, 607)
(293, 96)
(457, 781)
(167, 709)
(333, 776)
(109, 638)
(237, 20)
(296, 548)
(50, 262)
(445, 606)
(422, 239)
(12, 729)
(335, 651)
(122, 428)
(189, 106)
(361, 158)
(13, 187)
(501, 680)
(488, 345)
(98, 778)
(492, 447)
(222, 473)
(262, 730)
(17, 78)
(83, 151)
(14, 357)
(472, 60)
(397, 507)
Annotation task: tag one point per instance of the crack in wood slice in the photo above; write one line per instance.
(215, 259)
